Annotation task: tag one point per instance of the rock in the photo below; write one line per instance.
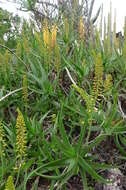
(115, 176)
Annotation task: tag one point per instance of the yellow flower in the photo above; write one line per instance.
(2, 140)
(86, 97)
(54, 32)
(98, 79)
(46, 36)
(7, 59)
(53, 118)
(81, 28)
(108, 83)
(20, 138)
(9, 185)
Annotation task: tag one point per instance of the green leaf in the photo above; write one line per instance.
(95, 142)
(84, 179)
(112, 114)
(81, 138)
(63, 133)
(121, 149)
(122, 139)
(103, 166)
(87, 168)
(72, 163)
(51, 165)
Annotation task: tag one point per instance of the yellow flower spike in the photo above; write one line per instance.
(10, 184)
(54, 32)
(21, 139)
(53, 117)
(108, 83)
(7, 59)
(98, 79)
(25, 90)
(86, 97)
(46, 36)
(47, 44)
(81, 28)
(2, 140)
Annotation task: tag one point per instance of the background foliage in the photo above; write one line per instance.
(62, 99)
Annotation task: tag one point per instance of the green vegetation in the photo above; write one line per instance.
(60, 100)
(9, 28)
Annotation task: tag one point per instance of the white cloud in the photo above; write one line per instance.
(119, 5)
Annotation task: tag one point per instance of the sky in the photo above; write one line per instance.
(119, 5)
